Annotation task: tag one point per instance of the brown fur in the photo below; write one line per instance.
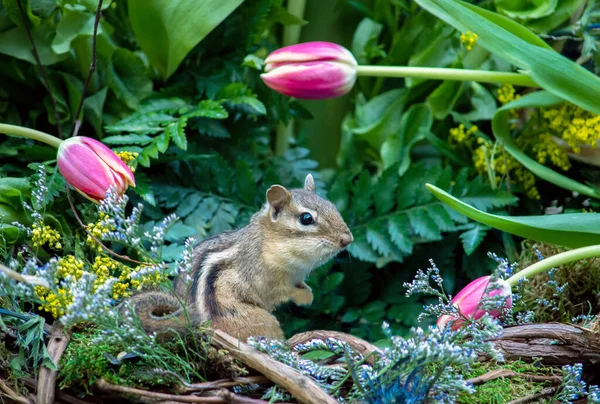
(241, 276)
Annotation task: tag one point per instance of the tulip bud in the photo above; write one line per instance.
(469, 301)
(92, 168)
(311, 70)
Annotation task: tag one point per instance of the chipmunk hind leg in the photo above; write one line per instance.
(249, 321)
(160, 312)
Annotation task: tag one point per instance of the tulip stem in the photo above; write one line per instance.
(21, 131)
(555, 261)
(437, 73)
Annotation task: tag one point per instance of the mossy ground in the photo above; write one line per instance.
(580, 297)
(503, 390)
(87, 359)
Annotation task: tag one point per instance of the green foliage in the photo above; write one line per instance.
(400, 212)
(501, 130)
(569, 229)
(167, 30)
(500, 391)
(548, 68)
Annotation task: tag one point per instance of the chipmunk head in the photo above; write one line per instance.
(307, 228)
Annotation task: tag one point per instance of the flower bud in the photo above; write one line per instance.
(469, 301)
(92, 168)
(311, 70)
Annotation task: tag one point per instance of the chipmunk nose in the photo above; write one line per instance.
(346, 239)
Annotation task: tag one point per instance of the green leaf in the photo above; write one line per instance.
(570, 230)
(71, 25)
(546, 67)
(12, 9)
(128, 139)
(444, 97)
(317, 355)
(93, 107)
(483, 102)
(414, 126)
(331, 281)
(284, 17)
(385, 190)
(246, 186)
(500, 127)
(378, 118)
(366, 32)
(423, 225)
(398, 227)
(167, 30)
(361, 249)
(128, 78)
(176, 132)
(14, 42)
(518, 9)
(510, 25)
(361, 194)
(562, 13)
(472, 238)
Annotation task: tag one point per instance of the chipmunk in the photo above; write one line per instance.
(240, 276)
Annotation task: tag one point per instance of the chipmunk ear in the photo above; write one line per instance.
(278, 197)
(309, 183)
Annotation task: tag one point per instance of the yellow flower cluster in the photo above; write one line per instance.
(469, 39)
(104, 268)
(574, 125)
(128, 157)
(125, 281)
(42, 234)
(460, 135)
(70, 265)
(57, 303)
(545, 147)
(54, 303)
(489, 159)
(507, 93)
(97, 230)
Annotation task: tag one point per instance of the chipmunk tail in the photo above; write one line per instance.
(159, 312)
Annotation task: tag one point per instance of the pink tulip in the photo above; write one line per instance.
(468, 301)
(92, 168)
(311, 70)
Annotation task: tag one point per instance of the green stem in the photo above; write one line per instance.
(30, 133)
(438, 73)
(555, 261)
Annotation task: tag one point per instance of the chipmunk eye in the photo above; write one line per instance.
(306, 219)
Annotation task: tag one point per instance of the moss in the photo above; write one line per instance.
(580, 296)
(503, 390)
(88, 359)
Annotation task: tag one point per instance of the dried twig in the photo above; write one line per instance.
(224, 398)
(500, 373)
(40, 66)
(360, 346)
(304, 389)
(60, 395)
(534, 397)
(7, 391)
(108, 250)
(46, 384)
(28, 279)
(219, 384)
(91, 71)
(552, 344)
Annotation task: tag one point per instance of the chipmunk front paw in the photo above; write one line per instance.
(302, 295)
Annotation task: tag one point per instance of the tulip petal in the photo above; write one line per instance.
(312, 80)
(110, 158)
(309, 51)
(84, 171)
